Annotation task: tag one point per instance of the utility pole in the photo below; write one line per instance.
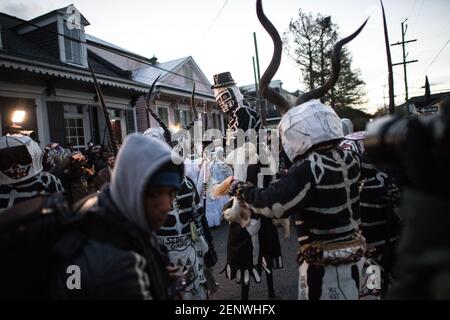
(403, 42)
(256, 83)
(261, 102)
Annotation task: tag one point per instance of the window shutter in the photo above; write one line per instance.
(55, 112)
(131, 126)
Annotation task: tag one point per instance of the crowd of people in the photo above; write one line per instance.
(146, 233)
(136, 224)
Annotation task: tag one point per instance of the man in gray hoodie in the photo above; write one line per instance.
(119, 256)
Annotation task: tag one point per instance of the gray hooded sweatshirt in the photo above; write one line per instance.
(110, 272)
(139, 158)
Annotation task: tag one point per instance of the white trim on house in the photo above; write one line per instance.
(84, 58)
(87, 99)
(123, 123)
(86, 121)
(40, 67)
(61, 46)
(10, 90)
(178, 91)
(42, 120)
(26, 90)
(122, 118)
(84, 99)
(64, 95)
(187, 110)
(135, 119)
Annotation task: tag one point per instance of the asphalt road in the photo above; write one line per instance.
(285, 279)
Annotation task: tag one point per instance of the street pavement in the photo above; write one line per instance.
(285, 279)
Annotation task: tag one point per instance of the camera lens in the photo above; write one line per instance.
(384, 139)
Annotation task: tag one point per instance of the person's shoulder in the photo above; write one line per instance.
(244, 109)
(189, 180)
(107, 271)
(47, 176)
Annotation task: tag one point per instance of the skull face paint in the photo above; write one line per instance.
(20, 159)
(15, 162)
(226, 99)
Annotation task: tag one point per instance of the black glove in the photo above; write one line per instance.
(243, 252)
(210, 258)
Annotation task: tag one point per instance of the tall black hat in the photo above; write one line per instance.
(223, 79)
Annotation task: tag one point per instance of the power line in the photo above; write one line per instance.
(214, 20)
(103, 47)
(434, 59)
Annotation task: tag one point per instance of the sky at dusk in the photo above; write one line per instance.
(218, 34)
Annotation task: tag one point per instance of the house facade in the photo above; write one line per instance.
(422, 105)
(172, 91)
(46, 86)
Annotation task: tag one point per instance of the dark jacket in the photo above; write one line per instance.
(422, 269)
(111, 268)
(117, 260)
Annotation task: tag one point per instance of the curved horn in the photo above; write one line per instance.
(389, 61)
(270, 94)
(98, 90)
(335, 69)
(194, 110)
(148, 97)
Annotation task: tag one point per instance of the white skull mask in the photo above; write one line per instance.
(155, 132)
(228, 98)
(179, 140)
(307, 125)
(20, 159)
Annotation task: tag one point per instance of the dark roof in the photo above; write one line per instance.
(17, 45)
(420, 101)
(60, 11)
(103, 66)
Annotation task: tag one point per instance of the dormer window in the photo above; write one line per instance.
(72, 48)
(73, 44)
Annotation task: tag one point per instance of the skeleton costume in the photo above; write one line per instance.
(186, 235)
(231, 101)
(321, 188)
(217, 172)
(256, 245)
(321, 191)
(378, 203)
(21, 175)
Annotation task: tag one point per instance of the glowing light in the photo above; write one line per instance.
(175, 128)
(18, 116)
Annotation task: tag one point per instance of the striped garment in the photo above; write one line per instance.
(244, 118)
(187, 245)
(321, 191)
(43, 183)
(375, 208)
